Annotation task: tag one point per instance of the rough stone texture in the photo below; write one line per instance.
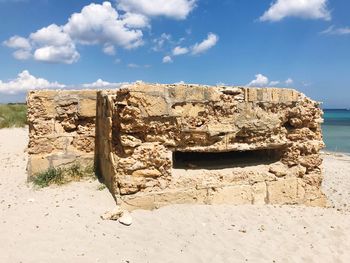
(274, 136)
(61, 128)
(139, 127)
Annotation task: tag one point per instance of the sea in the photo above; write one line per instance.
(336, 130)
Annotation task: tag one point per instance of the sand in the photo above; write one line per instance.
(62, 224)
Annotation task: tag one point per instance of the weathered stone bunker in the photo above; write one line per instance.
(159, 144)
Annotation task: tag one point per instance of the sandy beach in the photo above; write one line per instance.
(63, 224)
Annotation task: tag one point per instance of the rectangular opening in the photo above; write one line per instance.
(221, 160)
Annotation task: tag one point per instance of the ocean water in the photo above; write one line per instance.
(336, 130)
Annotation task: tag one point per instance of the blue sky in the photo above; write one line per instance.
(286, 43)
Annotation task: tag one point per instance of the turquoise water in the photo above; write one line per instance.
(336, 130)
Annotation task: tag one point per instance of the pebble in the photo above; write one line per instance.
(125, 219)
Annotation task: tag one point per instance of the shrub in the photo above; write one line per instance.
(13, 115)
(63, 175)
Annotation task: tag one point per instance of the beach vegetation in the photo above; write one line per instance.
(63, 175)
(13, 115)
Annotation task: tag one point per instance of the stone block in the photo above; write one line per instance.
(235, 195)
(137, 202)
(150, 106)
(259, 193)
(181, 196)
(283, 191)
(87, 108)
(37, 164)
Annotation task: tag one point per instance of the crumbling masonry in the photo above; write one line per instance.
(158, 144)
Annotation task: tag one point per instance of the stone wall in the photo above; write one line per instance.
(61, 128)
(141, 126)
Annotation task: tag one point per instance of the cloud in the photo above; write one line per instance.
(22, 45)
(111, 27)
(263, 81)
(274, 83)
(133, 65)
(94, 24)
(177, 9)
(181, 82)
(161, 41)
(22, 54)
(25, 81)
(101, 84)
(52, 35)
(100, 24)
(177, 51)
(18, 42)
(57, 54)
(134, 20)
(167, 59)
(289, 81)
(259, 81)
(50, 44)
(119, 26)
(206, 44)
(336, 31)
(109, 49)
(307, 9)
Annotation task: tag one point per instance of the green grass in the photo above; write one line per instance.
(51, 176)
(63, 175)
(13, 115)
(101, 187)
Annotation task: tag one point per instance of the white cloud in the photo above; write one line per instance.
(99, 24)
(289, 81)
(178, 9)
(25, 81)
(307, 9)
(53, 35)
(274, 83)
(263, 81)
(167, 59)
(101, 84)
(161, 41)
(18, 42)
(177, 51)
(206, 44)
(259, 81)
(181, 82)
(22, 46)
(109, 49)
(22, 54)
(57, 54)
(336, 31)
(95, 24)
(306, 84)
(50, 44)
(134, 20)
(105, 25)
(133, 65)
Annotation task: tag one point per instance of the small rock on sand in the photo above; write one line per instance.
(125, 219)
